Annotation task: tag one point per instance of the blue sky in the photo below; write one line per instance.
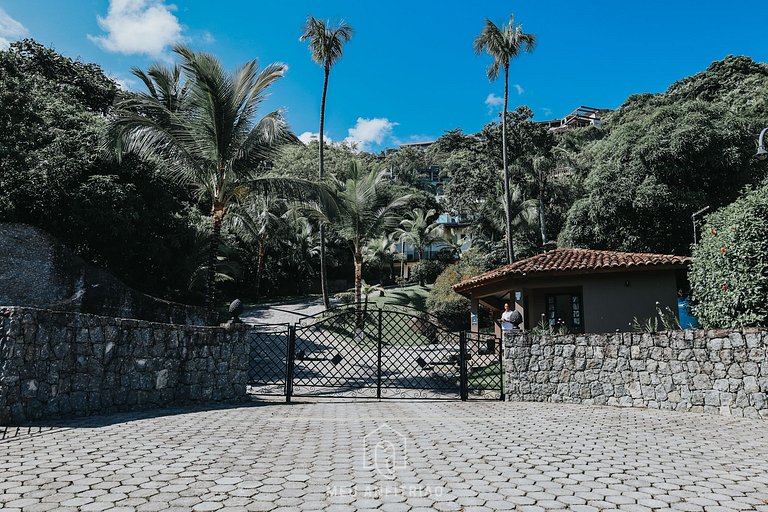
(409, 72)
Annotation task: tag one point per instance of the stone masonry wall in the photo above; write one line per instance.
(711, 371)
(58, 364)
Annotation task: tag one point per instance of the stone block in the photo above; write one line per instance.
(712, 398)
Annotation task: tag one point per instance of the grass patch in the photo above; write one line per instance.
(413, 297)
(485, 377)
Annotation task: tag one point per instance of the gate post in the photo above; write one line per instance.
(463, 373)
(378, 356)
(501, 368)
(289, 361)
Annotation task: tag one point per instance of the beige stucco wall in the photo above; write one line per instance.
(610, 305)
(607, 303)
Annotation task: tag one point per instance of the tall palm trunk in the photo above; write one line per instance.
(217, 216)
(358, 284)
(421, 256)
(507, 205)
(323, 271)
(542, 219)
(260, 263)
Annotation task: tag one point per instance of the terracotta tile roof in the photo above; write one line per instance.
(573, 261)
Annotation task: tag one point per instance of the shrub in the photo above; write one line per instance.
(729, 274)
(448, 306)
(427, 271)
(345, 298)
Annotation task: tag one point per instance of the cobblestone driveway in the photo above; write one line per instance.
(430, 456)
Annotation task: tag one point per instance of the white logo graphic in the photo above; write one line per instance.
(385, 450)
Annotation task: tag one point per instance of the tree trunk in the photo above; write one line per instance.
(507, 205)
(321, 173)
(217, 215)
(260, 263)
(358, 283)
(542, 219)
(421, 276)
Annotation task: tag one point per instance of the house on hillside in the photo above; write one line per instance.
(580, 117)
(582, 289)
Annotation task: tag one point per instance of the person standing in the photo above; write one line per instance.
(510, 319)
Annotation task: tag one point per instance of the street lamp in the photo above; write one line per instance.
(762, 154)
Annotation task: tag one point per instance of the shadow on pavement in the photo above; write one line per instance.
(104, 420)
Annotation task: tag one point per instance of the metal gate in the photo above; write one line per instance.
(375, 353)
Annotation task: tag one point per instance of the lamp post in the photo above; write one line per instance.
(693, 220)
(762, 154)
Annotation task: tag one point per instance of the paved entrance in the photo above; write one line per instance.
(395, 456)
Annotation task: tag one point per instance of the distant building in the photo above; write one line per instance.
(580, 118)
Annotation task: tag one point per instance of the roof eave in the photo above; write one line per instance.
(515, 276)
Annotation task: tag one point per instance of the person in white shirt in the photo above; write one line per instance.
(510, 319)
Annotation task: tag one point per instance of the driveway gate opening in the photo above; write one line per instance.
(375, 353)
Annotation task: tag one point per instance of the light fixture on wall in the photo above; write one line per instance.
(762, 153)
(626, 283)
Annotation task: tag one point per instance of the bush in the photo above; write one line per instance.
(448, 306)
(345, 298)
(427, 271)
(729, 275)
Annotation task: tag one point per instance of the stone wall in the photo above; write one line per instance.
(57, 364)
(711, 371)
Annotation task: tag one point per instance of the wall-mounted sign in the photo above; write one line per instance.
(473, 318)
(518, 296)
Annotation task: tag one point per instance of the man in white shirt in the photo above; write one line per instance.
(510, 319)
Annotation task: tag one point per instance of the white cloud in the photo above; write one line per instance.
(10, 30)
(138, 27)
(308, 137)
(125, 84)
(518, 88)
(493, 101)
(208, 38)
(370, 131)
(546, 111)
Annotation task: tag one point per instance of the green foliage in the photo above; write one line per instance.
(427, 271)
(543, 328)
(345, 298)
(729, 274)
(451, 308)
(122, 216)
(668, 155)
(663, 320)
(300, 161)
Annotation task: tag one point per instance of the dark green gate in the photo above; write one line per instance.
(375, 353)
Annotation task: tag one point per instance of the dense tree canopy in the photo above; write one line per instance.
(631, 184)
(53, 175)
(666, 156)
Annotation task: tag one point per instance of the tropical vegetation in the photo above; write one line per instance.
(251, 212)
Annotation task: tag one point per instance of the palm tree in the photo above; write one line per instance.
(255, 220)
(163, 84)
(302, 245)
(419, 232)
(366, 290)
(326, 43)
(364, 213)
(504, 44)
(542, 167)
(212, 141)
(380, 253)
